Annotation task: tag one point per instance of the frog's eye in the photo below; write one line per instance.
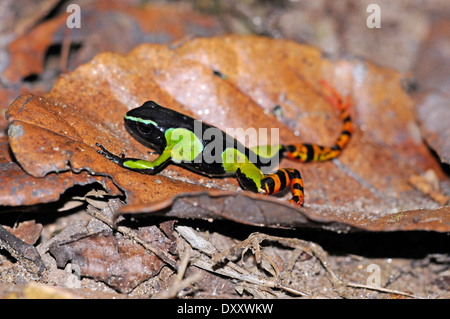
(144, 128)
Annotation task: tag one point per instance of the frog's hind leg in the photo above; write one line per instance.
(278, 181)
(318, 153)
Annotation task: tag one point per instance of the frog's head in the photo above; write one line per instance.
(147, 124)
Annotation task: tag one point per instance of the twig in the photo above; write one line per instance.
(183, 266)
(179, 283)
(397, 292)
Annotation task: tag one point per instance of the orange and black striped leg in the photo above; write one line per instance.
(278, 181)
(343, 106)
(296, 186)
(318, 153)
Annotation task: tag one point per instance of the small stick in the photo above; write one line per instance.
(179, 283)
(355, 285)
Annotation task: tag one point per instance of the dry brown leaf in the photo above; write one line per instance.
(369, 181)
(19, 188)
(252, 209)
(112, 258)
(27, 231)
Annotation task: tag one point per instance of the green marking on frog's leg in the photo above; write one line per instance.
(250, 177)
(232, 159)
(249, 174)
(140, 164)
(185, 146)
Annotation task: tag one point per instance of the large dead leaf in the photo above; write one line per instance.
(367, 183)
(20, 188)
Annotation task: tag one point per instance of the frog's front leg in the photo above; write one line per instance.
(136, 164)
